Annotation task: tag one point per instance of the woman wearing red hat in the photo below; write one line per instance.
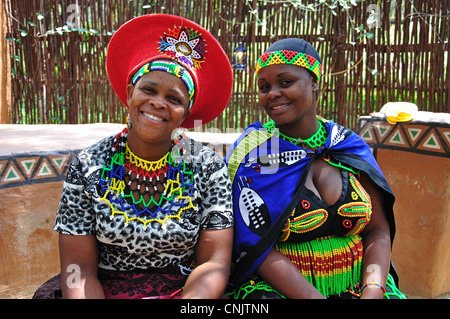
(147, 213)
(313, 211)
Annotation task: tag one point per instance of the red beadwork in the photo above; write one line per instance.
(306, 204)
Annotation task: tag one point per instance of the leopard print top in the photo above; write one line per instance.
(128, 246)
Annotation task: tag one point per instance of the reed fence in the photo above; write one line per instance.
(373, 52)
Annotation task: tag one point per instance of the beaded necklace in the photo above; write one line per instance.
(318, 139)
(145, 191)
(145, 173)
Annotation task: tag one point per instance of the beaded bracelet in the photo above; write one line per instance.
(374, 284)
(176, 292)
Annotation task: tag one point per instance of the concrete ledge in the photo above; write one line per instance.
(41, 138)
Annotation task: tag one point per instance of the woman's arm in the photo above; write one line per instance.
(79, 262)
(213, 259)
(377, 243)
(284, 276)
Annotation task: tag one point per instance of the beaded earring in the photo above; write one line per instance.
(178, 135)
(128, 121)
(315, 89)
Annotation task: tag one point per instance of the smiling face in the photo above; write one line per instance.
(158, 103)
(287, 94)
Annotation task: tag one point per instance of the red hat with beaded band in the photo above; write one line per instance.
(178, 46)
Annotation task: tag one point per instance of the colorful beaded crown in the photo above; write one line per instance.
(292, 58)
(184, 45)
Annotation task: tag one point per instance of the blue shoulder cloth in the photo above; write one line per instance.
(265, 170)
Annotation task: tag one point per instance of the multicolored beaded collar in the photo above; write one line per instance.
(145, 191)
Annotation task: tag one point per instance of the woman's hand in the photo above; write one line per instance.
(377, 244)
(284, 276)
(209, 278)
(79, 262)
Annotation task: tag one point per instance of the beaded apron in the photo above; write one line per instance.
(331, 264)
(323, 241)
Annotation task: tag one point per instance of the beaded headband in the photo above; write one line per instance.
(292, 58)
(171, 67)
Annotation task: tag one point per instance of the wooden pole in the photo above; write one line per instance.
(5, 70)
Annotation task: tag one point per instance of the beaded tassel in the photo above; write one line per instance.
(331, 264)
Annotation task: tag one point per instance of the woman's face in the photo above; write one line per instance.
(287, 94)
(158, 103)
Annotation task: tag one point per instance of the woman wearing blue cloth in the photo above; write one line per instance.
(313, 211)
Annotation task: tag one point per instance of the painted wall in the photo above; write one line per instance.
(415, 158)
